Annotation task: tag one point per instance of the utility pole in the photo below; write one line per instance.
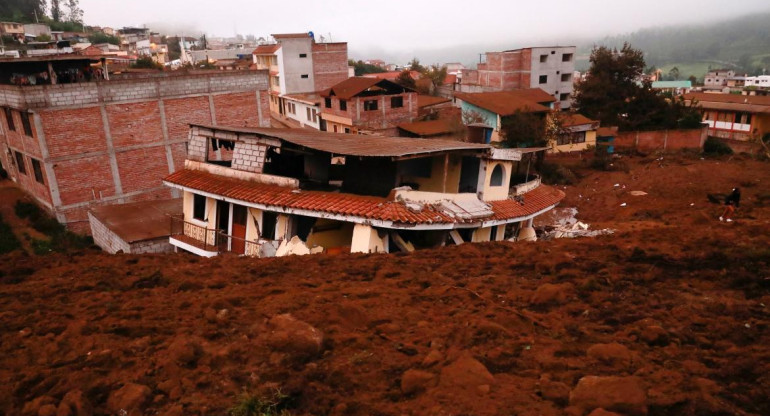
(35, 11)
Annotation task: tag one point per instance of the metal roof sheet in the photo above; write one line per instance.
(356, 144)
(506, 103)
(139, 221)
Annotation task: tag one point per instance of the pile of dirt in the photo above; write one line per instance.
(667, 316)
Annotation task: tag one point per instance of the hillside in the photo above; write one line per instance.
(742, 43)
(667, 316)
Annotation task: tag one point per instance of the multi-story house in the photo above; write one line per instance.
(717, 78)
(361, 104)
(74, 136)
(12, 29)
(548, 68)
(492, 108)
(135, 40)
(297, 64)
(266, 192)
(733, 116)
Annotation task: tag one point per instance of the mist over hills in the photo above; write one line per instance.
(741, 43)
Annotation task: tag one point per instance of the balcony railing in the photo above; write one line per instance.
(211, 240)
(525, 187)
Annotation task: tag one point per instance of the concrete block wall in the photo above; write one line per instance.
(105, 238)
(249, 157)
(114, 141)
(156, 246)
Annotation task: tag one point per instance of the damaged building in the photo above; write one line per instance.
(263, 191)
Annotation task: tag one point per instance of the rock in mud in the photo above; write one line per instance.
(130, 398)
(549, 293)
(466, 373)
(433, 357)
(75, 403)
(32, 408)
(289, 334)
(554, 391)
(47, 410)
(654, 335)
(415, 381)
(625, 395)
(615, 354)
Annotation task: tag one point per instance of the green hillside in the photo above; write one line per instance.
(741, 43)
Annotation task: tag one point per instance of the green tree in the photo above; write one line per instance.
(524, 129)
(43, 38)
(22, 11)
(146, 63)
(99, 37)
(362, 68)
(415, 65)
(55, 11)
(674, 73)
(436, 74)
(75, 13)
(405, 79)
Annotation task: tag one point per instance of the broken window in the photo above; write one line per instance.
(343, 105)
(328, 102)
(20, 163)
(543, 79)
(269, 220)
(199, 207)
(25, 123)
(497, 176)
(220, 152)
(396, 102)
(9, 119)
(370, 105)
(37, 170)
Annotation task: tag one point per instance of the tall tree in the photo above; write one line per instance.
(22, 11)
(75, 14)
(436, 74)
(405, 79)
(416, 66)
(55, 10)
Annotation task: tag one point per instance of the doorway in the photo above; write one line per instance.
(238, 244)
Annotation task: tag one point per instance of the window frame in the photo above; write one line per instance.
(20, 166)
(370, 105)
(37, 170)
(542, 79)
(197, 207)
(327, 102)
(343, 105)
(497, 177)
(399, 99)
(9, 119)
(26, 123)
(566, 57)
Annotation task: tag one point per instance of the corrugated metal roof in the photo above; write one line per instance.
(506, 103)
(356, 144)
(733, 102)
(427, 128)
(353, 86)
(428, 100)
(367, 207)
(139, 221)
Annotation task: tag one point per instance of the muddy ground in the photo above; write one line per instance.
(668, 316)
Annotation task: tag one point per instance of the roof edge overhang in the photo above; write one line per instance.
(362, 220)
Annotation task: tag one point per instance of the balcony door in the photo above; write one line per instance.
(238, 244)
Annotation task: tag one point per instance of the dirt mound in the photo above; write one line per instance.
(670, 314)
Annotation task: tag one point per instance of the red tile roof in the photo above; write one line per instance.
(575, 119)
(266, 49)
(506, 103)
(391, 75)
(428, 128)
(428, 100)
(731, 102)
(368, 207)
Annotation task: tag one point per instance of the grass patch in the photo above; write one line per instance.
(60, 239)
(254, 405)
(8, 240)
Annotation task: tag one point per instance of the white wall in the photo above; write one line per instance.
(554, 68)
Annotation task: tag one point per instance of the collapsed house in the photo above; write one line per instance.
(262, 191)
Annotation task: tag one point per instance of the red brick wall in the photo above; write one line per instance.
(392, 117)
(237, 110)
(180, 112)
(78, 177)
(135, 124)
(74, 131)
(142, 169)
(179, 154)
(661, 139)
(330, 64)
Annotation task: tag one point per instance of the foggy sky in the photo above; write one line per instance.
(402, 28)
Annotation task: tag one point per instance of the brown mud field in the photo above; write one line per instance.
(668, 316)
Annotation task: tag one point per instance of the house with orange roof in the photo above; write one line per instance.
(577, 132)
(362, 104)
(491, 108)
(734, 116)
(297, 64)
(270, 192)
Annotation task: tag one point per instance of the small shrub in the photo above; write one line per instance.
(60, 240)
(252, 405)
(555, 174)
(717, 147)
(8, 240)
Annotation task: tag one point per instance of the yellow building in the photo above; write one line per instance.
(578, 132)
(733, 116)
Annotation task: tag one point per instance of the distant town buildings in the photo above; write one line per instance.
(548, 68)
(717, 78)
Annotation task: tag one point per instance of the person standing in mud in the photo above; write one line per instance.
(731, 202)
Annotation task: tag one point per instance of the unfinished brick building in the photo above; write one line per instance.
(77, 145)
(548, 68)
